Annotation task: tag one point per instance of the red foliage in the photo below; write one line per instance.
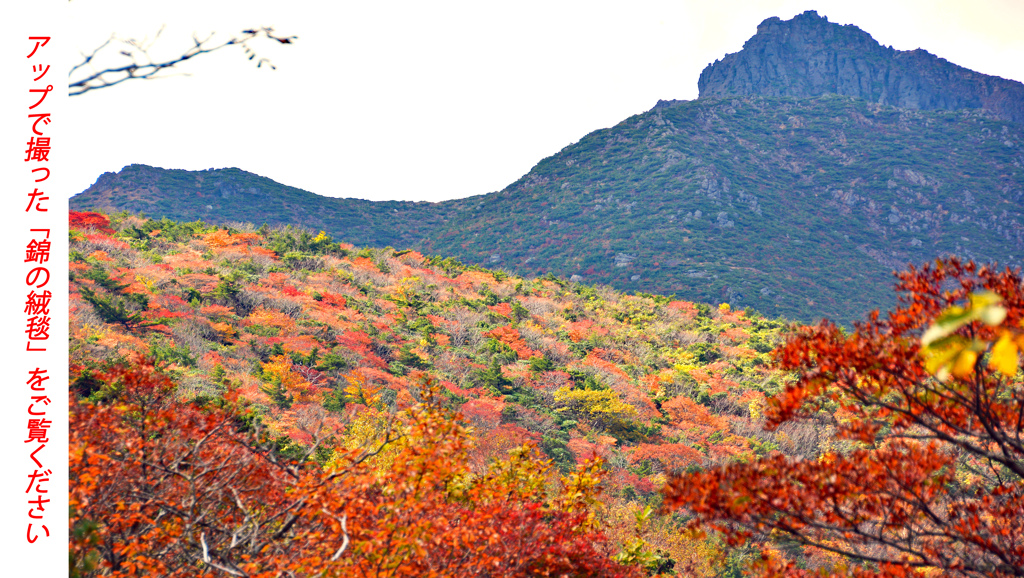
(160, 489)
(465, 392)
(333, 299)
(215, 311)
(510, 336)
(503, 309)
(86, 220)
(483, 413)
(496, 443)
(934, 473)
(584, 450)
(356, 341)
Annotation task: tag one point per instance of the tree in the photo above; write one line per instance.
(928, 405)
(160, 488)
(137, 63)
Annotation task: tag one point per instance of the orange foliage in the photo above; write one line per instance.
(718, 384)
(580, 330)
(694, 419)
(700, 374)
(107, 241)
(484, 413)
(592, 360)
(496, 443)
(735, 335)
(199, 281)
(510, 336)
(932, 478)
(280, 369)
(269, 317)
(584, 450)
(474, 279)
(333, 299)
(364, 264)
(687, 310)
(157, 487)
(503, 309)
(215, 311)
(220, 239)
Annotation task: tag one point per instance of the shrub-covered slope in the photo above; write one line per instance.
(296, 326)
(795, 207)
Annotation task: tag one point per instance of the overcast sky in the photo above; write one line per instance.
(437, 100)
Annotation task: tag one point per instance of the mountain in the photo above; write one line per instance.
(798, 207)
(225, 195)
(794, 184)
(809, 56)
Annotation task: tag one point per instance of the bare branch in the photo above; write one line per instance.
(344, 540)
(206, 559)
(142, 66)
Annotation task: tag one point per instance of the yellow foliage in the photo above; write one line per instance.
(146, 282)
(279, 369)
(947, 353)
(361, 391)
(522, 473)
(756, 407)
(643, 536)
(367, 432)
(1005, 357)
(599, 406)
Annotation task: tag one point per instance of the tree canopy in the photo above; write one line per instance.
(928, 468)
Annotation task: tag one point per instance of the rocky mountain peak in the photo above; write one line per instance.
(809, 56)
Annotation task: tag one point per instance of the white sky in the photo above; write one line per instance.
(437, 100)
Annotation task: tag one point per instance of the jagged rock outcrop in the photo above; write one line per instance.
(810, 56)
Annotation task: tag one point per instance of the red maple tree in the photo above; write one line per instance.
(930, 468)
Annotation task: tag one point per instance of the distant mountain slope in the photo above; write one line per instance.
(224, 195)
(810, 56)
(796, 206)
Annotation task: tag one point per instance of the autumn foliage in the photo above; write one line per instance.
(164, 489)
(290, 369)
(927, 472)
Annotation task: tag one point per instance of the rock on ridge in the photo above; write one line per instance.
(810, 56)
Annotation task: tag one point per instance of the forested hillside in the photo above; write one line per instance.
(268, 402)
(327, 350)
(590, 372)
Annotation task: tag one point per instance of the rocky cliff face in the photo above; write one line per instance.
(810, 56)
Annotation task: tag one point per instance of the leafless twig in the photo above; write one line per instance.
(141, 66)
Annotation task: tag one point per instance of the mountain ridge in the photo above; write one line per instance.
(809, 56)
(793, 205)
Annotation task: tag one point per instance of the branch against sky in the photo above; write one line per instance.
(138, 64)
